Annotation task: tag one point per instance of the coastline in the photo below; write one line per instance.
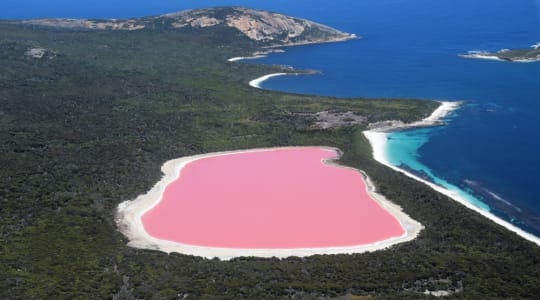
(256, 55)
(345, 38)
(276, 49)
(238, 58)
(494, 57)
(256, 83)
(377, 137)
(129, 219)
(481, 56)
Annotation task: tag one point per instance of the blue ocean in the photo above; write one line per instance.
(490, 148)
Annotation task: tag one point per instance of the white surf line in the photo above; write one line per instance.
(378, 139)
(239, 58)
(526, 60)
(491, 57)
(129, 219)
(256, 83)
(480, 56)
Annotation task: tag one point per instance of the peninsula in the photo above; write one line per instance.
(267, 29)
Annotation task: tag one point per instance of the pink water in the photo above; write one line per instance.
(273, 199)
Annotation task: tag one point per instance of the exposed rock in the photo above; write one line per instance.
(37, 53)
(327, 119)
(384, 125)
(260, 25)
(438, 293)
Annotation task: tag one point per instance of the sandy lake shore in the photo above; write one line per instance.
(129, 220)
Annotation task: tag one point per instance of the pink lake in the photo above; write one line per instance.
(270, 199)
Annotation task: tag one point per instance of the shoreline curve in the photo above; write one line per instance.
(256, 83)
(377, 137)
(129, 219)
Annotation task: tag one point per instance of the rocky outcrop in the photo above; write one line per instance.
(40, 53)
(329, 119)
(36, 52)
(514, 55)
(260, 25)
(266, 28)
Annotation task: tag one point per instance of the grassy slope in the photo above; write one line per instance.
(90, 128)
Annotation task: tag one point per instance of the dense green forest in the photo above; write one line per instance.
(89, 124)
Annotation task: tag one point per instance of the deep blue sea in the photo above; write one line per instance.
(490, 148)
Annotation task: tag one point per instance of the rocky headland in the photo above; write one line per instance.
(268, 29)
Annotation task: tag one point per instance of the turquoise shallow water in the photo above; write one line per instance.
(489, 149)
(402, 151)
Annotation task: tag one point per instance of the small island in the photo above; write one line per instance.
(512, 55)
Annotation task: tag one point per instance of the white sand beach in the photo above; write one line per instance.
(256, 83)
(378, 139)
(256, 55)
(129, 221)
(238, 58)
